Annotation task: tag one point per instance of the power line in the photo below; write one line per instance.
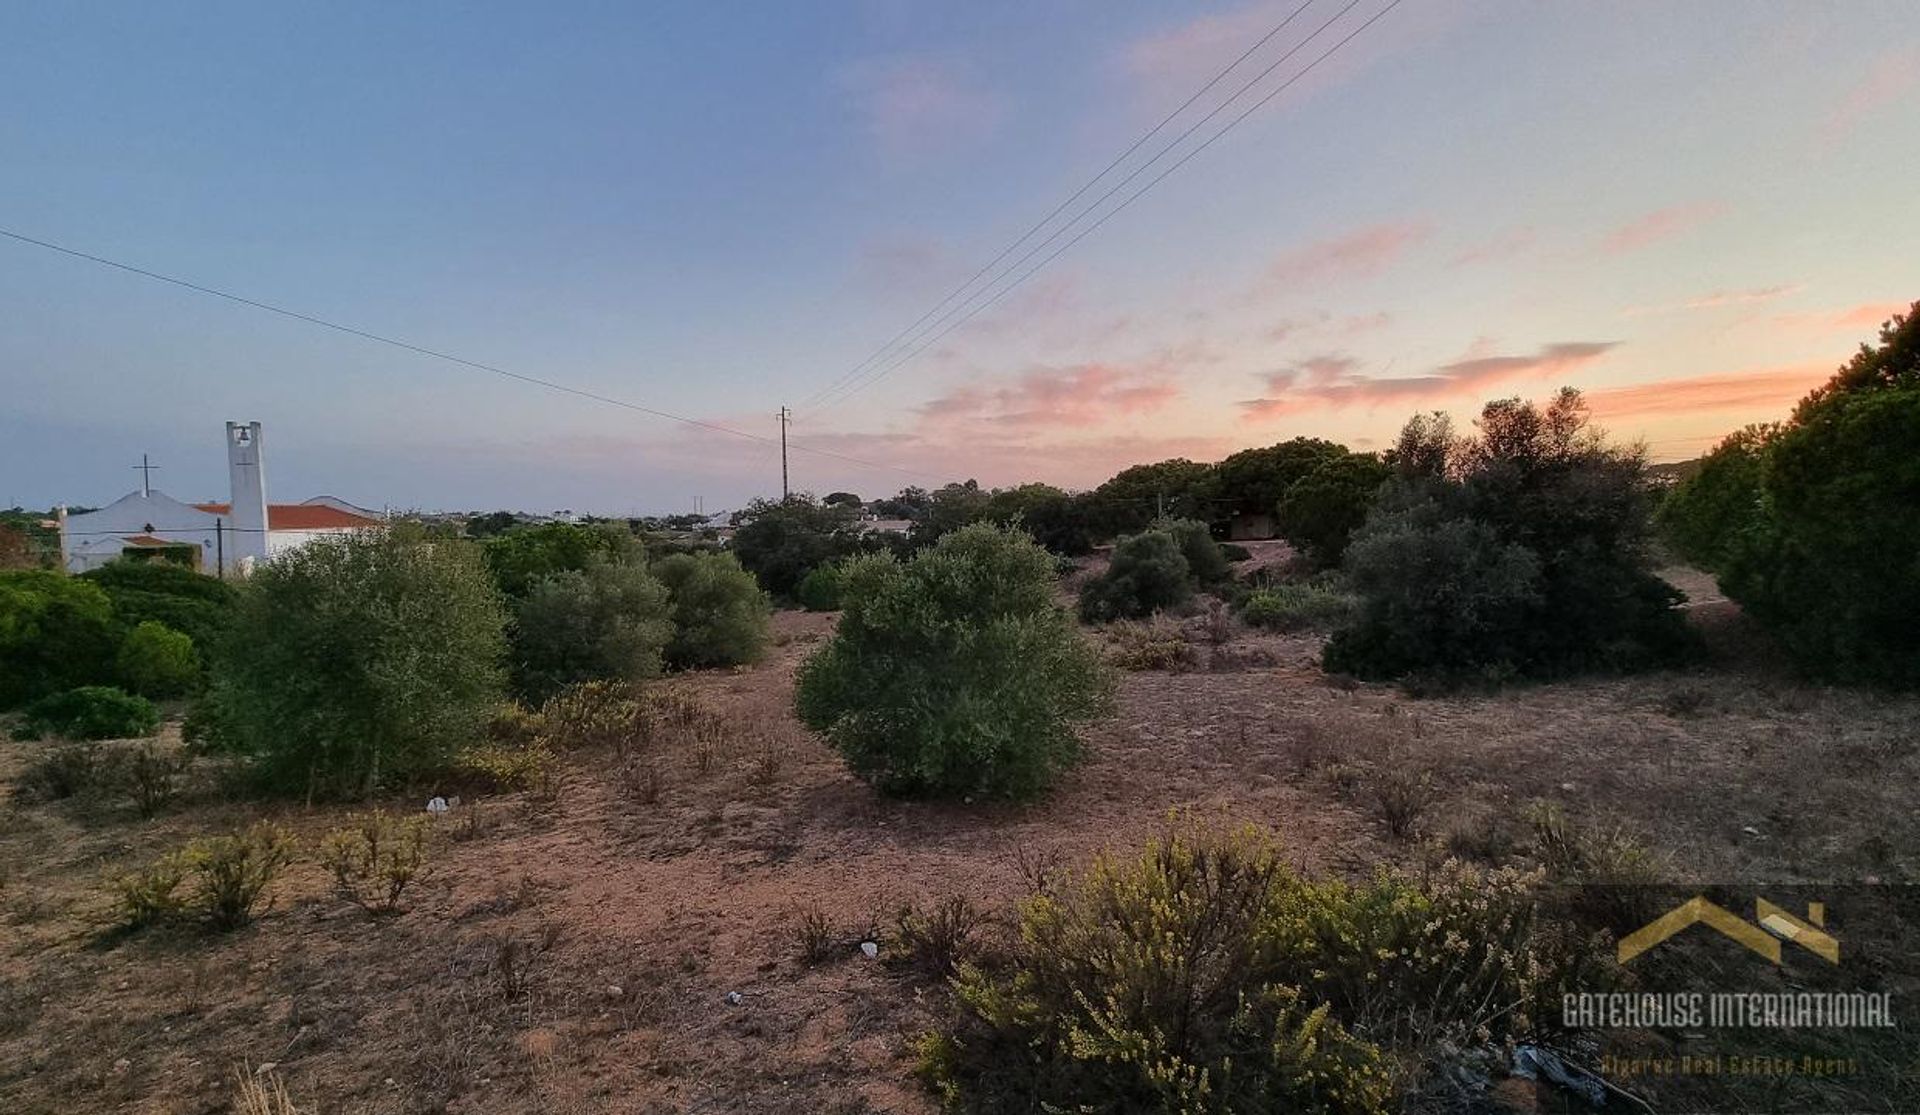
(1058, 209)
(438, 355)
(888, 368)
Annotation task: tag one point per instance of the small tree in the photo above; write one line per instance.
(359, 661)
(1519, 551)
(955, 672)
(719, 613)
(610, 621)
(780, 541)
(1319, 512)
(1148, 572)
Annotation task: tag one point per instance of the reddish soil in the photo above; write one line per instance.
(577, 954)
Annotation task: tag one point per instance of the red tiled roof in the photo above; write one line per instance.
(301, 516)
(150, 540)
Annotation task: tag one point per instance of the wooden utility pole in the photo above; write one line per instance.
(786, 416)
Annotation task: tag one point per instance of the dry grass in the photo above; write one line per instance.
(666, 900)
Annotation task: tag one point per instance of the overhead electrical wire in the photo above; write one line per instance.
(436, 354)
(921, 345)
(1058, 209)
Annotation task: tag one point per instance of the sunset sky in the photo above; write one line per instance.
(1693, 211)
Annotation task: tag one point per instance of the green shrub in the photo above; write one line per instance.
(1205, 563)
(375, 856)
(1519, 552)
(522, 557)
(157, 661)
(720, 616)
(1234, 551)
(1148, 572)
(1292, 606)
(610, 621)
(194, 604)
(90, 712)
(955, 673)
(358, 662)
(1204, 975)
(779, 542)
(231, 873)
(819, 590)
(1704, 516)
(56, 633)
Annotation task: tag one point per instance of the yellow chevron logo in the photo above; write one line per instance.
(1775, 925)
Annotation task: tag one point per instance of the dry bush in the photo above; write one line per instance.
(936, 942)
(62, 771)
(642, 781)
(1217, 622)
(815, 938)
(1684, 703)
(770, 758)
(374, 857)
(152, 778)
(252, 1096)
(1612, 877)
(231, 873)
(149, 894)
(1151, 644)
(1401, 794)
(1486, 838)
(594, 715)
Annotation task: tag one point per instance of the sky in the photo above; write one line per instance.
(1692, 212)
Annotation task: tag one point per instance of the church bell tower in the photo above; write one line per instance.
(246, 526)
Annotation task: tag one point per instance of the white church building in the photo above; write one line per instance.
(220, 538)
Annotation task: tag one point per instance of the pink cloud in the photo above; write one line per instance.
(1887, 81)
(1079, 396)
(1504, 245)
(1661, 224)
(918, 106)
(1763, 390)
(1362, 253)
(1721, 299)
(1194, 51)
(1331, 382)
(1351, 325)
(1867, 317)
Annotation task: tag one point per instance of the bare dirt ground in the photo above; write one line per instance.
(577, 954)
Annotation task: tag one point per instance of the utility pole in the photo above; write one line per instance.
(786, 416)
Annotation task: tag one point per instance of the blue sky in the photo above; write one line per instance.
(1692, 211)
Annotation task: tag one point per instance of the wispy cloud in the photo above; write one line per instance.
(1362, 253)
(1720, 299)
(1183, 56)
(1503, 245)
(918, 106)
(1761, 390)
(1888, 80)
(1324, 323)
(1863, 318)
(1332, 381)
(1661, 224)
(1078, 396)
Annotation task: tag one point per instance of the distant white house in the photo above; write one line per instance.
(220, 538)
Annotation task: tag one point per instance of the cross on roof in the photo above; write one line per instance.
(146, 474)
